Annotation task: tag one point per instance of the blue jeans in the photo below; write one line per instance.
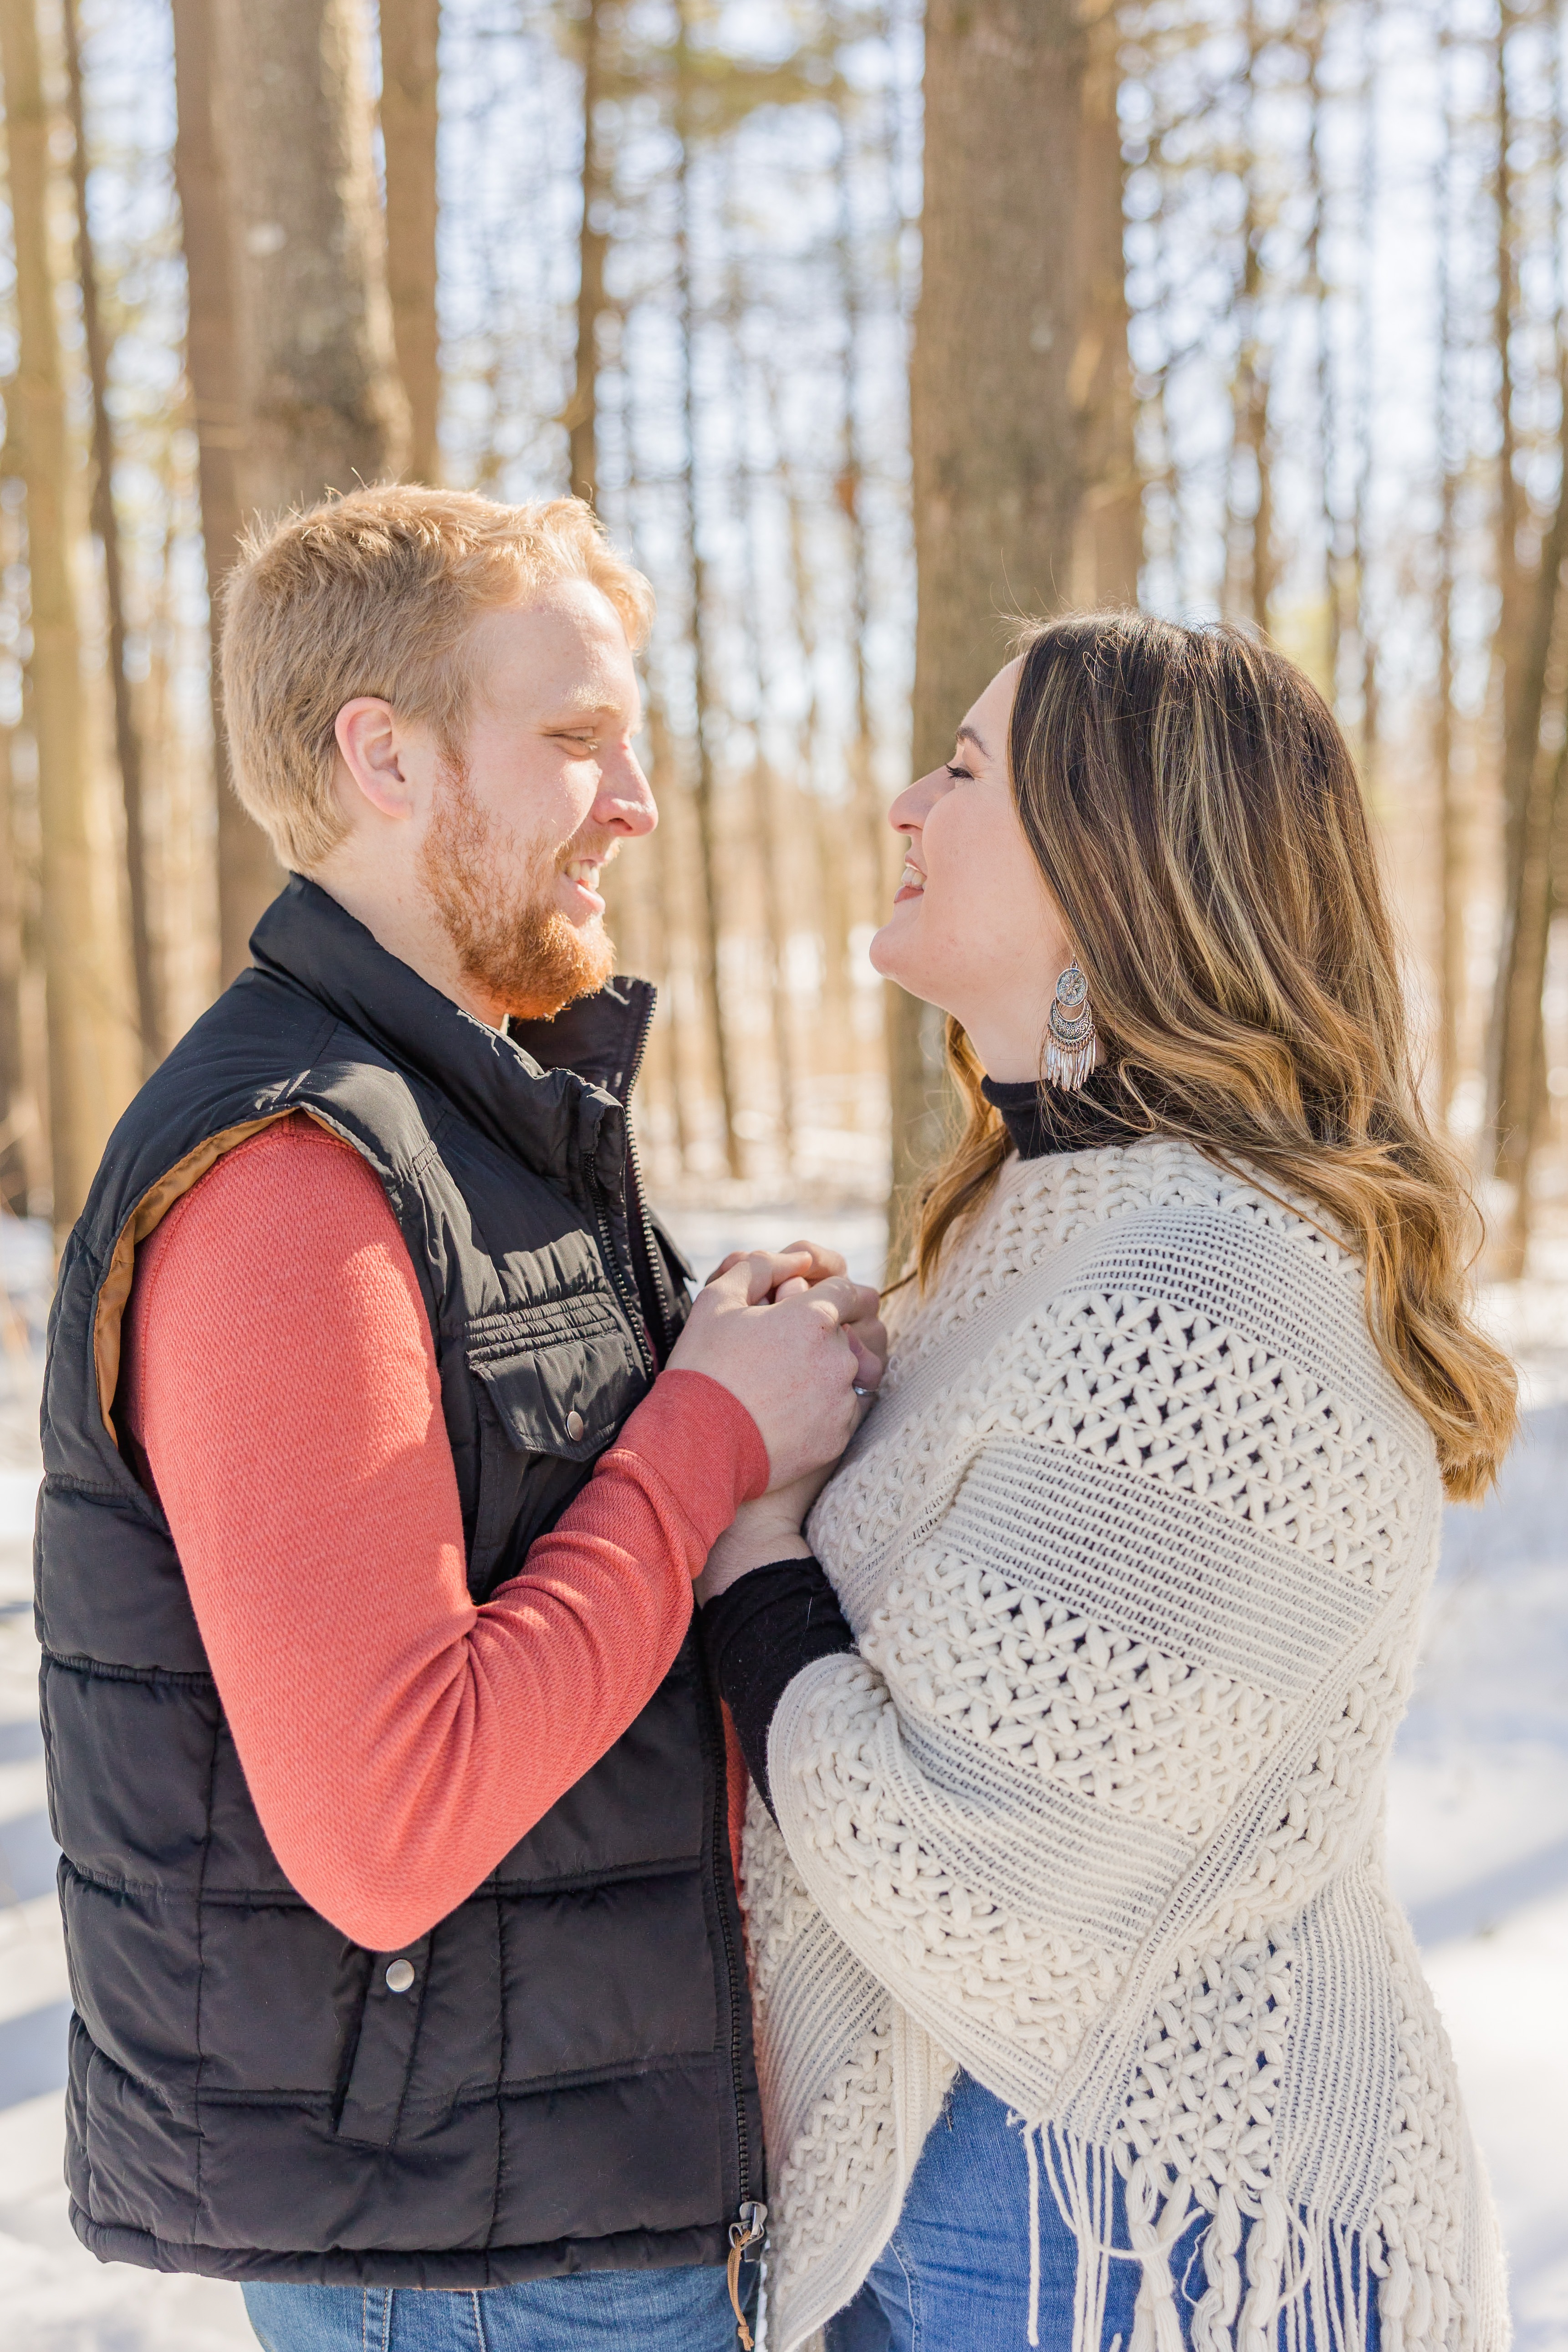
(954, 2276)
(685, 2310)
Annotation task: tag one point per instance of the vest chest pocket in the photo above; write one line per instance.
(560, 1376)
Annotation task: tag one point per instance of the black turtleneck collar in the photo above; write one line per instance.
(1042, 1119)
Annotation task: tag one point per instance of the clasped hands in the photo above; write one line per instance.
(802, 1347)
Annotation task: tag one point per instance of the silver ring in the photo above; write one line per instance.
(861, 1391)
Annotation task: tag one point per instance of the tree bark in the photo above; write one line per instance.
(1530, 786)
(323, 405)
(144, 961)
(1536, 686)
(663, 884)
(84, 1082)
(249, 875)
(1333, 628)
(1450, 835)
(850, 488)
(765, 789)
(1361, 521)
(1110, 518)
(704, 798)
(997, 435)
(1254, 572)
(410, 35)
(13, 1072)
(593, 244)
(1508, 508)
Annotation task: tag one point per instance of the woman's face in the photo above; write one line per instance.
(973, 928)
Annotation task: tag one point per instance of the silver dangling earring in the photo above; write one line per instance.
(1070, 1054)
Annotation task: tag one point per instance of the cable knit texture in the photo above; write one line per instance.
(1134, 1546)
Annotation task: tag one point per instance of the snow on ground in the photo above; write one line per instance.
(1478, 1840)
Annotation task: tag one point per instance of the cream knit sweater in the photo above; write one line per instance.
(1134, 1546)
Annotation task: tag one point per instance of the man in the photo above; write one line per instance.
(381, 1450)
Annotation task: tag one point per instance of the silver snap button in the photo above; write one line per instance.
(574, 1425)
(400, 1975)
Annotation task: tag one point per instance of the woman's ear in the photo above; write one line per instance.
(367, 736)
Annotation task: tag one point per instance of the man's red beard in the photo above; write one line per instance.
(510, 942)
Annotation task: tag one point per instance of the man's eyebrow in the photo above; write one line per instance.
(967, 735)
(579, 707)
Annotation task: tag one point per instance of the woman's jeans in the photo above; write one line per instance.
(683, 2310)
(956, 2274)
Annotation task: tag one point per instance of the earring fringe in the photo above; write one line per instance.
(1071, 1041)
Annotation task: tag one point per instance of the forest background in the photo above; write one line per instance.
(864, 325)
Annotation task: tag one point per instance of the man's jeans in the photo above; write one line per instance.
(631, 2311)
(956, 2275)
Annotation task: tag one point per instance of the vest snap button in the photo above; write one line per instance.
(400, 1975)
(573, 1425)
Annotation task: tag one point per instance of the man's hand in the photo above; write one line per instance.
(794, 1350)
(801, 1266)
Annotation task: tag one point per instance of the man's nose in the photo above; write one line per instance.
(625, 802)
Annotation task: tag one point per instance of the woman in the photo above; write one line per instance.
(1085, 2015)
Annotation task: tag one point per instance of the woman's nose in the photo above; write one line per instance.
(915, 803)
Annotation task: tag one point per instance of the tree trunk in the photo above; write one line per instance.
(1536, 689)
(249, 875)
(704, 798)
(593, 244)
(997, 440)
(144, 961)
(850, 487)
(665, 853)
(1531, 785)
(1360, 523)
(1252, 571)
(829, 826)
(1508, 508)
(765, 787)
(1109, 550)
(85, 1093)
(410, 34)
(1323, 357)
(1450, 840)
(323, 406)
(14, 1112)
(1450, 832)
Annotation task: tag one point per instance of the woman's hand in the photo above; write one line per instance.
(770, 1529)
(762, 1532)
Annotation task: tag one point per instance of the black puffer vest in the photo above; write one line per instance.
(567, 2084)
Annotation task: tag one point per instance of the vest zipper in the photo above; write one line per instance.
(624, 1283)
(751, 2227)
(637, 1190)
(748, 2231)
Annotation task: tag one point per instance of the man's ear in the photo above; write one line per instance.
(367, 733)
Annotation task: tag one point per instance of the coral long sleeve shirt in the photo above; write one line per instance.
(280, 1381)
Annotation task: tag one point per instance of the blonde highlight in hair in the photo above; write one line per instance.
(376, 593)
(1196, 814)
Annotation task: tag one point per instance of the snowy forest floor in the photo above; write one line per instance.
(1478, 1838)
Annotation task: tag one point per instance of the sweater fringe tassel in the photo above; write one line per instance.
(1291, 2282)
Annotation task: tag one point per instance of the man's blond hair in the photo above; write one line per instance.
(377, 592)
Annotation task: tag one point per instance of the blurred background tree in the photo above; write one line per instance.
(864, 325)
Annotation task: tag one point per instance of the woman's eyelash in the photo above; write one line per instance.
(955, 772)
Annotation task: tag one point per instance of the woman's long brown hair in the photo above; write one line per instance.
(1197, 818)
